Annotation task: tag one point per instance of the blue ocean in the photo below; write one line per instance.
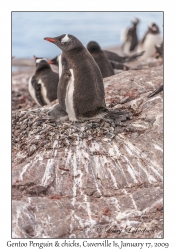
(29, 29)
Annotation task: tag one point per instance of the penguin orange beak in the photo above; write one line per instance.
(50, 39)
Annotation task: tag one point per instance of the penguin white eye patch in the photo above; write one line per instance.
(65, 39)
(40, 59)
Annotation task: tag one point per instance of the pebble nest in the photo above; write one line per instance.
(34, 130)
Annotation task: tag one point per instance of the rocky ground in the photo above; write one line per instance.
(93, 179)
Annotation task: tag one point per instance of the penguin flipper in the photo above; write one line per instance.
(37, 88)
(58, 113)
(116, 65)
(133, 57)
(156, 91)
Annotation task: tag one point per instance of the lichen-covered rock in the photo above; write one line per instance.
(92, 179)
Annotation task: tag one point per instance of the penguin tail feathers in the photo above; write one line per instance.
(156, 91)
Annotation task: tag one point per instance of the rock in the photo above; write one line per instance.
(95, 178)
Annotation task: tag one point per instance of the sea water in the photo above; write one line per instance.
(29, 29)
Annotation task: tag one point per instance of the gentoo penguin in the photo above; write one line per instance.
(149, 41)
(100, 58)
(115, 57)
(130, 39)
(44, 83)
(106, 66)
(81, 89)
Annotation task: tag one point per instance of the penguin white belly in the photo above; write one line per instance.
(126, 48)
(32, 91)
(123, 35)
(43, 91)
(149, 44)
(60, 66)
(139, 48)
(69, 98)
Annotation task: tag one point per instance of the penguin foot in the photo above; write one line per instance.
(118, 115)
(58, 113)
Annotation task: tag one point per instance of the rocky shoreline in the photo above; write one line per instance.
(92, 179)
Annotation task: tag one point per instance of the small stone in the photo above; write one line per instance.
(106, 125)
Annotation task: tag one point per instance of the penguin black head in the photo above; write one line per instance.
(135, 21)
(93, 47)
(153, 28)
(65, 42)
(40, 61)
(54, 61)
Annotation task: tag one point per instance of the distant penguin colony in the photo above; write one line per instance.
(129, 37)
(44, 83)
(149, 41)
(81, 89)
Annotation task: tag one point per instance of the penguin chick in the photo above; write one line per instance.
(44, 83)
(107, 67)
(100, 58)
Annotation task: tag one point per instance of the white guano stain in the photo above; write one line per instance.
(24, 170)
(131, 170)
(48, 176)
(91, 221)
(135, 206)
(113, 178)
(158, 148)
